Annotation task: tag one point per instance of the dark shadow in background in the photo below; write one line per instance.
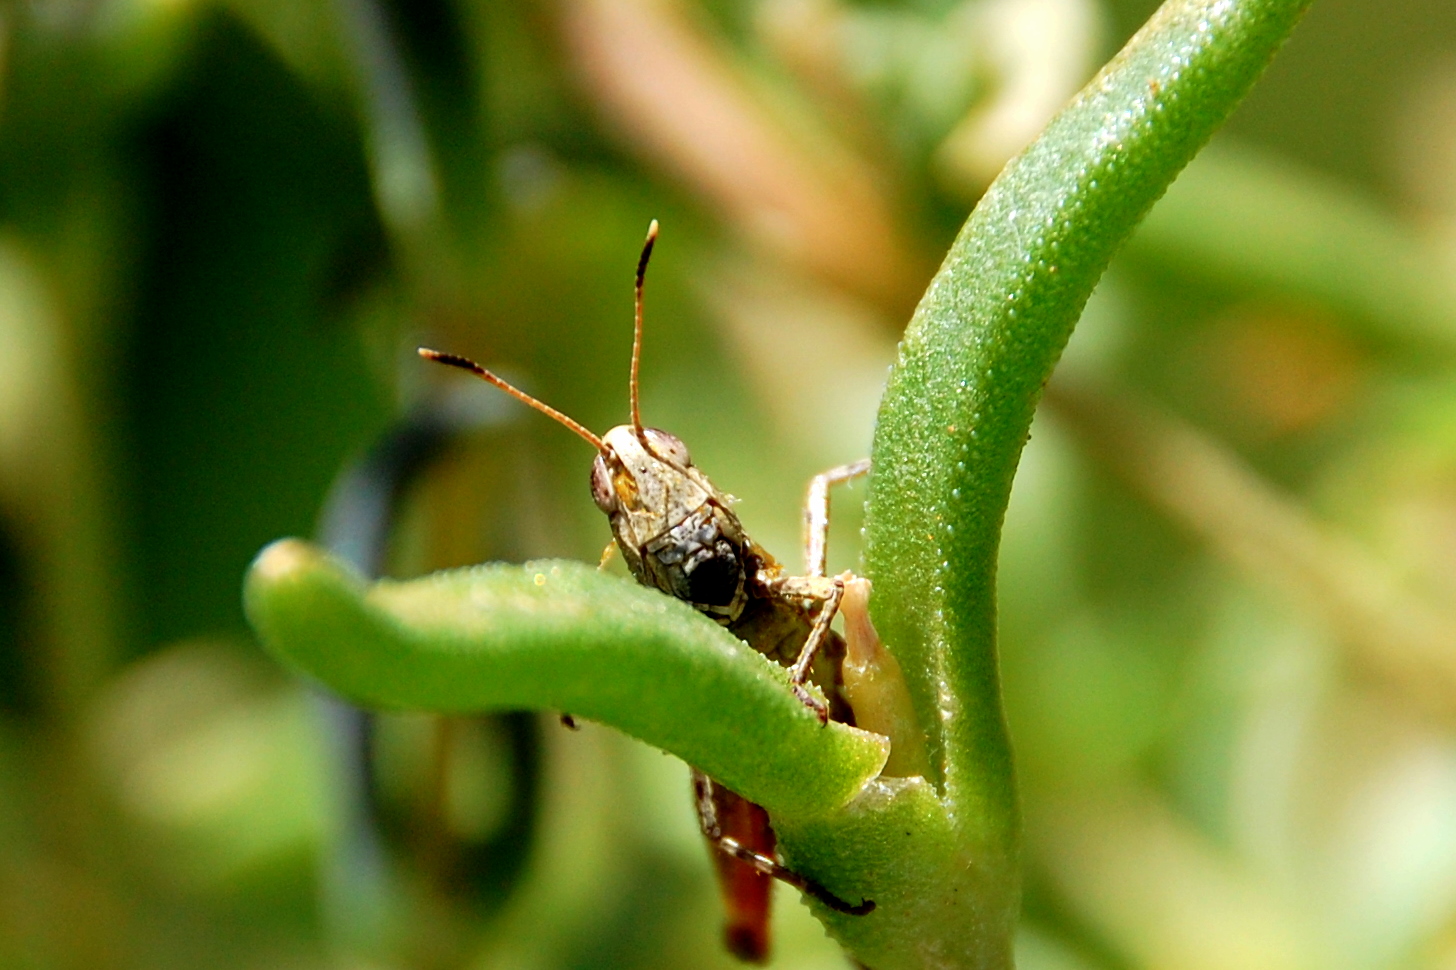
(247, 388)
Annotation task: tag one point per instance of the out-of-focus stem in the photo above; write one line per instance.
(1163, 894)
(1391, 634)
(678, 98)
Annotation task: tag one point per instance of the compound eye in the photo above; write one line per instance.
(668, 446)
(601, 486)
(715, 581)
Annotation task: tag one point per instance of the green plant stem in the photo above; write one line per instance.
(959, 404)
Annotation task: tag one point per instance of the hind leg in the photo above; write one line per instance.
(718, 811)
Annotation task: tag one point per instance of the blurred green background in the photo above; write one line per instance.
(1229, 639)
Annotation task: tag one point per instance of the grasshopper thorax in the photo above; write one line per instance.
(674, 529)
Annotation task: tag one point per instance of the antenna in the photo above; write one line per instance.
(637, 324)
(465, 363)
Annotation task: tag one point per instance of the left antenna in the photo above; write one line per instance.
(465, 363)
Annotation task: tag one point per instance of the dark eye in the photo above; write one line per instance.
(714, 580)
(601, 486)
(668, 446)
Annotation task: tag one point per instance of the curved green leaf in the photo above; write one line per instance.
(563, 636)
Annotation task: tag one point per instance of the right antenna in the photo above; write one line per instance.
(637, 324)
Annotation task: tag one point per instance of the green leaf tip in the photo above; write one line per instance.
(559, 635)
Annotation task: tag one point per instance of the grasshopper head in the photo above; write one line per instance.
(675, 530)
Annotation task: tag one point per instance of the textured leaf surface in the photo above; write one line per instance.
(560, 635)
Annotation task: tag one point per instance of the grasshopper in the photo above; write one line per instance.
(678, 533)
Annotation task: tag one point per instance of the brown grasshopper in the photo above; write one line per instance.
(678, 533)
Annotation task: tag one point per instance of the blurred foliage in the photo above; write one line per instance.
(1227, 571)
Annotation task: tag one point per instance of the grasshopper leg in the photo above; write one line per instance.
(816, 512)
(799, 672)
(827, 591)
(608, 554)
(814, 585)
(709, 796)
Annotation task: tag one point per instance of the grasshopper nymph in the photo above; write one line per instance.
(678, 533)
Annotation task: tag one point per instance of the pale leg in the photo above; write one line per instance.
(827, 591)
(815, 586)
(816, 512)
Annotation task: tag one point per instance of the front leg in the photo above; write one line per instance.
(828, 591)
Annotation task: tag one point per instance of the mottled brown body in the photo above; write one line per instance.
(678, 533)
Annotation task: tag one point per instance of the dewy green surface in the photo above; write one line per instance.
(938, 856)
(984, 340)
